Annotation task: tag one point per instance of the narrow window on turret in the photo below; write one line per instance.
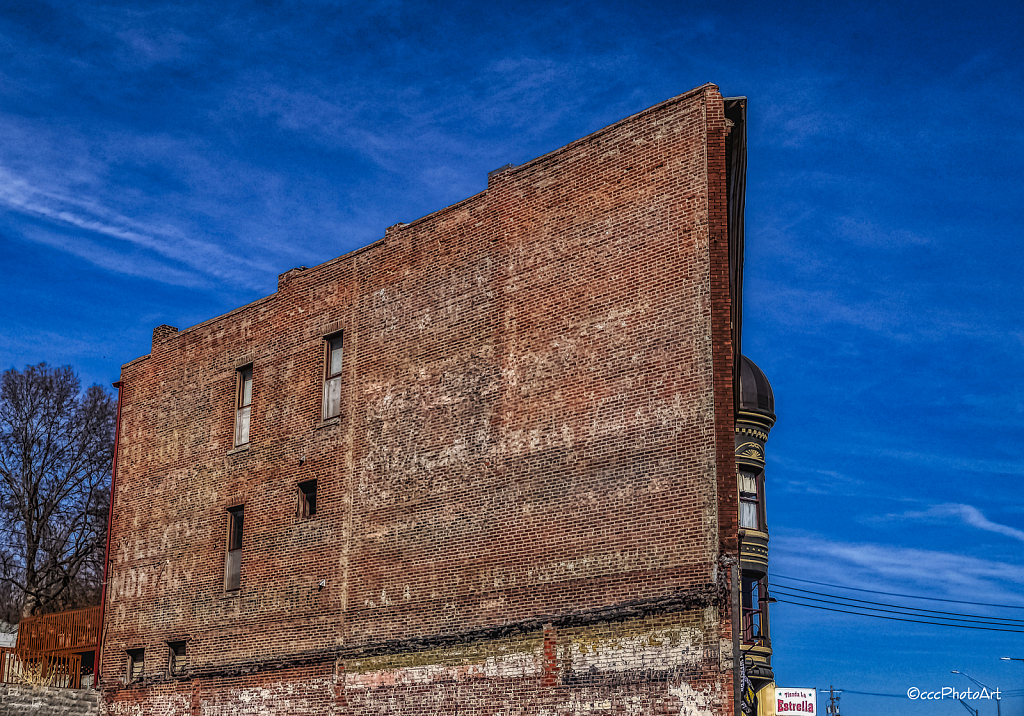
(243, 408)
(332, 377)
(751, 610)
(749, 517)
(233, 561)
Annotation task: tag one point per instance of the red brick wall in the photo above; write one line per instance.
(520, 500)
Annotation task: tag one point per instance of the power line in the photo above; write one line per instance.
(866, 693)
(896, 594)
(897, 619)
(903, 608)
(1006, 694)
(868, 612)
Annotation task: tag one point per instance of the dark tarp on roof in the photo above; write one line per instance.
(736, 187)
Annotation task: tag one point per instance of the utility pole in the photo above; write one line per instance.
(833, 701)
(969, 709)
(999, 710)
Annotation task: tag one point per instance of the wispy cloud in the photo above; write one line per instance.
(396, 127)
(167, 254)
(862, 231)
(796, 112)
(899, 569)
(799, 476)
(127, 263)
(966, 514)
(868, 447)
(144, 47)
(903, 312)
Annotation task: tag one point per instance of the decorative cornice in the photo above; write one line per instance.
(751, 451)
(759, 434)
(745, 416)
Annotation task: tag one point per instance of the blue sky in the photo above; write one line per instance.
(162, 163)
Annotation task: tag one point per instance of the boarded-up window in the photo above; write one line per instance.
(178, 657)
(233, 561)
(243, 410)
(332, 377)
(136, 664)
(307, 499)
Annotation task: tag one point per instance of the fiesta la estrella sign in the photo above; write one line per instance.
(796, 701)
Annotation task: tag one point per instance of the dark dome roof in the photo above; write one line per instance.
(755, 391)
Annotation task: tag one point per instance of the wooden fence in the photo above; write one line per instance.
(40, 669)
(75, 630)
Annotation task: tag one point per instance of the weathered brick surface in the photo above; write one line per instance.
(24, 700)
(523, 505)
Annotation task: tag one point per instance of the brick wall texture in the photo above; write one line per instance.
(524, 505)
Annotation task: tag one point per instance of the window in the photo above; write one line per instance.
(307, 499)
(752, 590)
(244, 405)
(136, 664)
(179, 657)
(332, 377)
(233, 562)
(749, 507)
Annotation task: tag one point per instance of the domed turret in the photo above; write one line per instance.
(755, 391)
(754, 420)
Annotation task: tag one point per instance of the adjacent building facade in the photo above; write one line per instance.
(754, 420)
(487, 464)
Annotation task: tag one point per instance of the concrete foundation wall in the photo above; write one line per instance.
(641, 667)
(28, 701)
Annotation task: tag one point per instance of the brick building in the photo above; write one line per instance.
(484, 465)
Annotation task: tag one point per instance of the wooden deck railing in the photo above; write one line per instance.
(75, 630)
(40, 669)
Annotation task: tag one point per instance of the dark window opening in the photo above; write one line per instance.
(753, 589)
(233, 562)
(136, 664)
(179, 657)
(243, 408)
(307, 499)
(332, 377)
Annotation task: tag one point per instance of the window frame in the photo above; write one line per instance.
(332, 378)
(136, 658)
(750, 500)
(243, 404)
(753, 620)
(177, 665)
(233, 554)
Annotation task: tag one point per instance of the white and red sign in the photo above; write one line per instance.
(796, 701)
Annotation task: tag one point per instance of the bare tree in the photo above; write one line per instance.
(56, 446)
